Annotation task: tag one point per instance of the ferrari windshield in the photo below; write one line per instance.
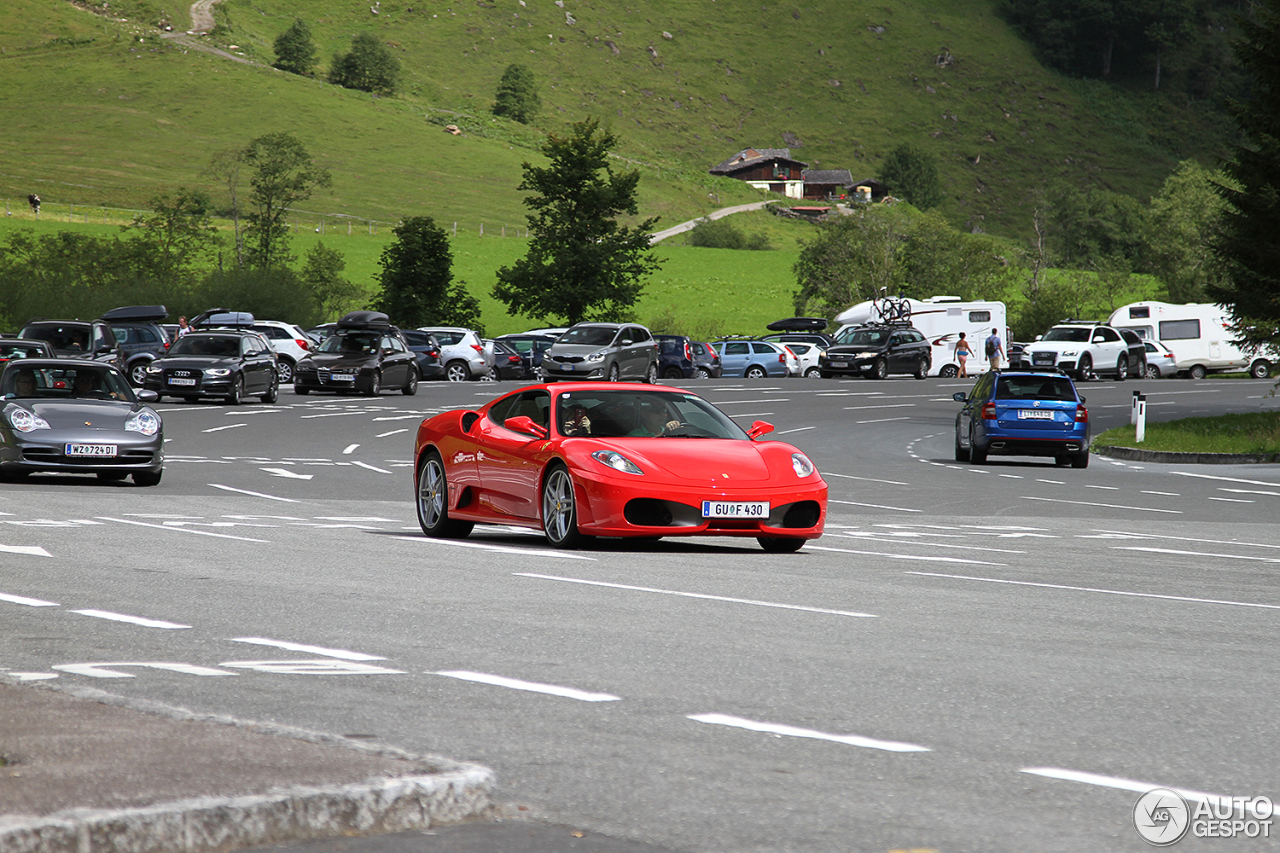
(618, 414)
(869, 338)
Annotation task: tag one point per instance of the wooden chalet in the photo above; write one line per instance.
(770, 169)
(879, 191)
(827, 183)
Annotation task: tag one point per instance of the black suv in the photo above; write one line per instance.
(365, 355)
(877, 350)
(77, 339)
(142, 341)
(232, 363)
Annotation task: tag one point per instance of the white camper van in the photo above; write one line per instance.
(941, 319)
(1199, 335)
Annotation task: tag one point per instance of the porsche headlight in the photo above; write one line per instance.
(597, 357)
(145, 422)
(616, 461)
(801, 465)
(218, 371)
(24, 421)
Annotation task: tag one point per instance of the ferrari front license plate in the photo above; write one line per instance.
(735, 509)
(173, 380)
(91, 450)
(1035, 414)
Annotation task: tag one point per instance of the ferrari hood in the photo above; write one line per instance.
(698, 459)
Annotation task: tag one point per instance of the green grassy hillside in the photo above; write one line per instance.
(100, 110)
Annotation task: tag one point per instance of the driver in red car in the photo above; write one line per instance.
(653, 421)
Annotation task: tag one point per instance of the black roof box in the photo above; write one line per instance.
(798, 324)
(136, 314)
(364, 320)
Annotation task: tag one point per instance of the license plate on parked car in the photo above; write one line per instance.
(839, 364)
(1035, 414)
(735, 509)
(173, 380)
(343, 377)
(91, 450)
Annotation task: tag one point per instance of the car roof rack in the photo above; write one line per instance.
(371, 320)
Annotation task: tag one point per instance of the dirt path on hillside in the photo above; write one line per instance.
(202, 16)
(201, 24)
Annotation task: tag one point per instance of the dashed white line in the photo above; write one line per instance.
(221, 428)
(341, 654)
(792, 731)
(186, 529)
(1106, 506)
(393, 432)
(27, 602)
(531, 686)
(874, 506)
(254, 494)
(1101, 591)
(30, 550)
(504, 549)
(370, 467)
(132, 620)
(1116, 782)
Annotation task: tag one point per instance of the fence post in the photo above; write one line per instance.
(481, 229)
(1133, 409)
(1141, 431)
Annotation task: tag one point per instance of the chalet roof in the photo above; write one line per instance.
(873, 183)
(748, 157)
(840, 177)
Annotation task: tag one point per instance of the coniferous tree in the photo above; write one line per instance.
(417, 279)
(295, 51)
(369, 66)
(1248, 244)
(517, 96)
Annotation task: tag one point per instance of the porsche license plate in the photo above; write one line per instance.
(735, 509)
(175, 380)
(1035, 414)
(91, 450)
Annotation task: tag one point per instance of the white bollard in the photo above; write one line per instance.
(1141, 431)
(1133, 409)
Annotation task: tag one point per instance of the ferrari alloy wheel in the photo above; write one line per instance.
(237, 391)
(559, 510)
(432, 490)
(411, 387)
(780, 544)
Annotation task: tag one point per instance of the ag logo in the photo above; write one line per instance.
(1161, 817)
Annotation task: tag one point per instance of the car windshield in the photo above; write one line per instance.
(351, 342)
(623, 414)
(83, 381)
(596, 336)
(1078, 334)
(1034, 388)
(12, 351)
(862, 337)
(59, 337)
(207, 345)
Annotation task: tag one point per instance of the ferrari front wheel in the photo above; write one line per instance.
(432, 490)
(780, 544)
(560, 510)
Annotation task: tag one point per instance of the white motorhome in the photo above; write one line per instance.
(941, 319)
(1198, 334)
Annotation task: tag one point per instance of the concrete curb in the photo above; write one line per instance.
(211, 824)
(1132, 454)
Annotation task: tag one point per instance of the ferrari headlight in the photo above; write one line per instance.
(24, 421)
(218, 371)
(597, 357)
(145, 422)
(801, 465)
(616, 461)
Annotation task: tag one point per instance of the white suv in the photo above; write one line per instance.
(462, 352)
(289, 342)
(1081, 349)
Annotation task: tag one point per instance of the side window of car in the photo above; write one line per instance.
(736, 349)
(763, 349)
(641, 334)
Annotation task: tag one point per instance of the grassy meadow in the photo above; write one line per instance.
(1253, 432)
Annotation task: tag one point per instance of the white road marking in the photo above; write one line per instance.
(393, 432)
(334, 414)
(866, 479)
(1189, 539)
(221, 428)
(1054, 482)
(874, 506)
(887, 406)
(183, 529)
(1116, 782)
(399, 418)
(1248, 491)
(882, 421)
(370, 467)
(798, 429)
(353, 518)
(30, 550)
(1225, 479)
(900, 538)
(311, 667)
(349, 448)
(281, 472)
(915, 557)
(792, 731)
(505, 549)
(696, 595)
(1109, 488)
(132, 620)
(254, 494)
(1104, 506)
(1102, 591)
(1231, 500)
(531, 686)
(103, 670)
(1166, 494)
(28, 602)
(1178, 553)
(341, 654)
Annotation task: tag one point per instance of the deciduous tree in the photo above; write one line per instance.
(283, 173)
(369, 66)
(582, 263)
(517, 96)
(912, 175)
(1182, 223)
(295, 51)
(417, 279)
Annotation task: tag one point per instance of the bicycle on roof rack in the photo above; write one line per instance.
(888, 309)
